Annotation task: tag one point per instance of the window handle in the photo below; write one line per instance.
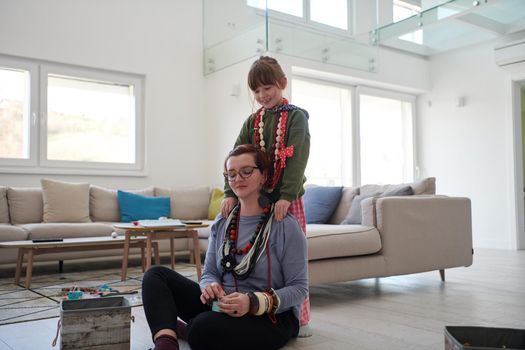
(33, 119)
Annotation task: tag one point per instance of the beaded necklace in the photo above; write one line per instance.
(279, 150)
(251, 251)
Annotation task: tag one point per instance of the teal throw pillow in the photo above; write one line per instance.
(134, 207)
(320, 203)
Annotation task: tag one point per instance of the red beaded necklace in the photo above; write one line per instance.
(233, 230)
(251, 250)
(279, 149)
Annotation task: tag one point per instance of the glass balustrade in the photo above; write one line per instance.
(236, 30)
(454, 24)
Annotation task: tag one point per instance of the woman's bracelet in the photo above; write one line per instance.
(276, 301)
(264, 302)
(254, 303)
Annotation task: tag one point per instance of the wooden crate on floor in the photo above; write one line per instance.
(99, 323)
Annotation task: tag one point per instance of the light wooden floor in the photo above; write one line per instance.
(407, 312)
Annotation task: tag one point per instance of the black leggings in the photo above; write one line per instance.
(166, 294)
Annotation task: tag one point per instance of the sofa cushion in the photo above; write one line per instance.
(354, 214)
(65, 201)
(217, 195)
(320, 203)
(26, 205)
(4, 208)
(137, 207)
(332, 241)
(67, 230)
(343, 207)
(103, 202)
(424, 186)
(10, 232)
(398, 191)
(187, 203)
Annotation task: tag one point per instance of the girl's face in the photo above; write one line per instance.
(268, 96)
(244, 177)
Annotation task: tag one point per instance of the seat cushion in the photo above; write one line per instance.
(12, 233)
(334, 241)
(68, 230)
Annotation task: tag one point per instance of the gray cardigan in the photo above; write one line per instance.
(288, 261)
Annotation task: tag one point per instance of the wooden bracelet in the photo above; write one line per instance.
(270, 302)
(254, 303)
(276, 301)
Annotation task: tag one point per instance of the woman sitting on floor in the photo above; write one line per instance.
(255, 274)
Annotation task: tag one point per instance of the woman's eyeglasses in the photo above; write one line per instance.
(244, 172)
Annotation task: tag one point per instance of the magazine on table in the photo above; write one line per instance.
(161, 223)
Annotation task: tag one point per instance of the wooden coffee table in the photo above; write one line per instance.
(69, 245)
(157, 233)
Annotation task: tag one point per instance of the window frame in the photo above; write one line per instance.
(396, 95)
(306, 22)
(38, 162)
(32, 68)
(352, 172)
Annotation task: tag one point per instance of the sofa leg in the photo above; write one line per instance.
(60, 266)
(442, 275)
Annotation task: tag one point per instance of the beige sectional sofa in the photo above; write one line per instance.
(25, 214)
(397, 235)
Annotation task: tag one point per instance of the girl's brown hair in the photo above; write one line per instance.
(266, 71)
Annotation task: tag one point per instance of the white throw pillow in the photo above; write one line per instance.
(65, 202)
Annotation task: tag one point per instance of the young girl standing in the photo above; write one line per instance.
(281, 130)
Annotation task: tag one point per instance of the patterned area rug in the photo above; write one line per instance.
(42, 300)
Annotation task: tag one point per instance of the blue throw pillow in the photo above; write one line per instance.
(320, 203)
(134, 207)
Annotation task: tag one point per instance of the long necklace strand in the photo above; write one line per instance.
(252, 251)
(279, 150)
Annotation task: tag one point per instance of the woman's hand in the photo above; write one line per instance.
(211, 292)
(227, 205)
(280, 209)
(235, 304)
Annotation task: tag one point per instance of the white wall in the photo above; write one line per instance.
(161, 39)
(469, 149)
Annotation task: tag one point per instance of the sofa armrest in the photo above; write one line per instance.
(424, 233)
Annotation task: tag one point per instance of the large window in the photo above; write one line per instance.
(329, 13)
(14, 113)
(359, 135)
(62, 119)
